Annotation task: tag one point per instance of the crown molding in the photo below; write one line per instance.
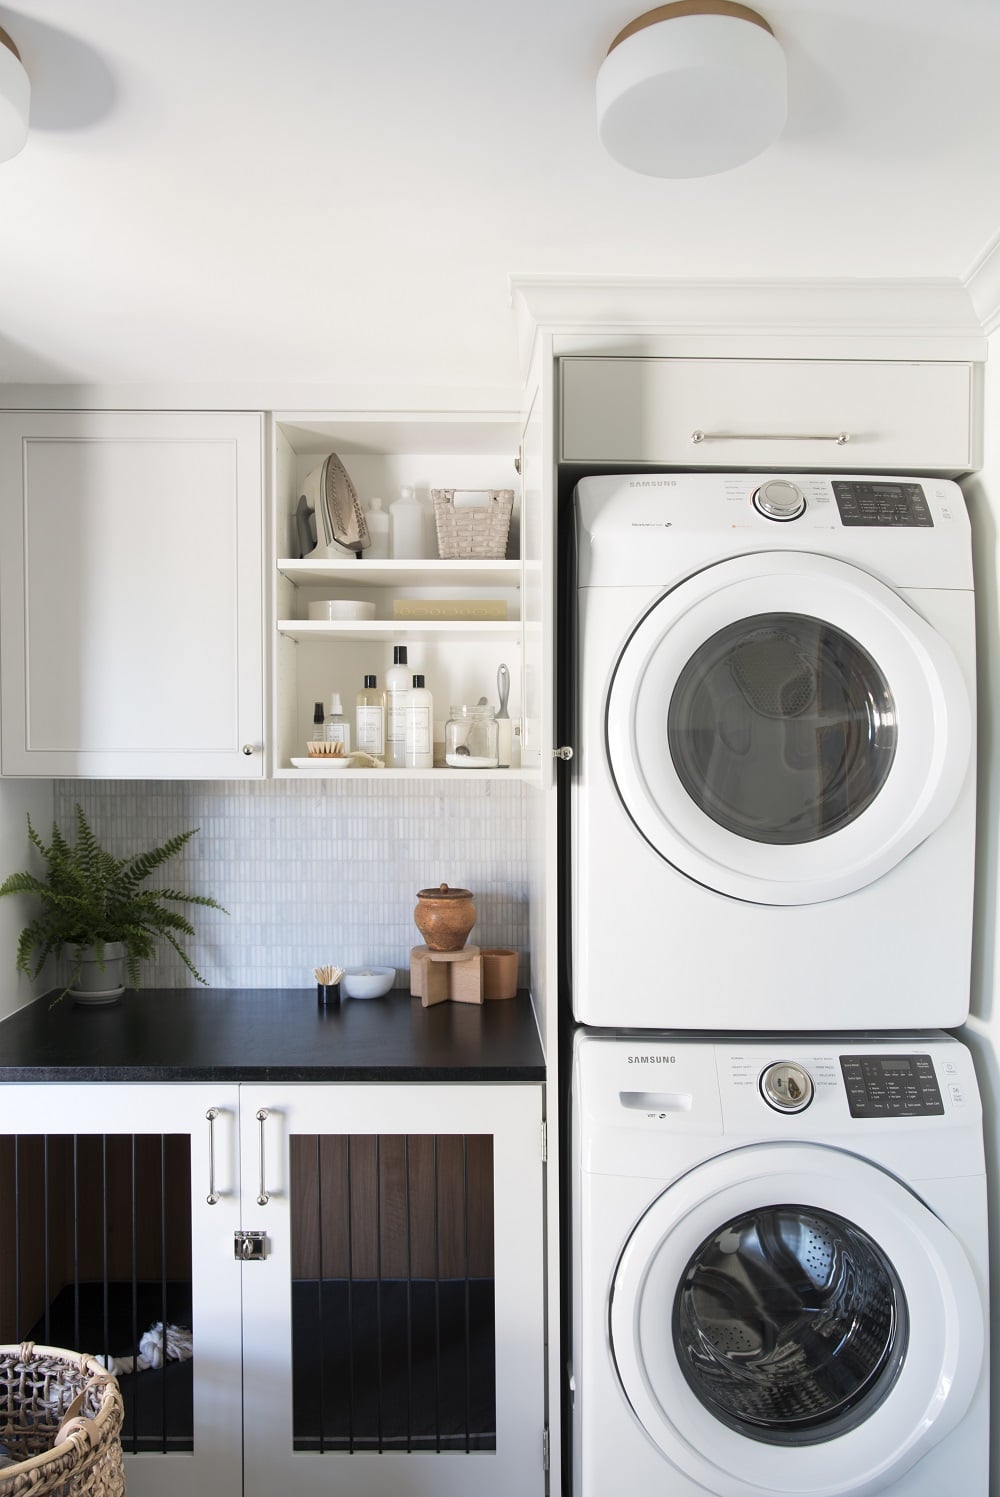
(983, 285)
(917, 319)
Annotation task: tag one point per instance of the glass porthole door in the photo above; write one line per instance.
(789, 1319)
(784, 728)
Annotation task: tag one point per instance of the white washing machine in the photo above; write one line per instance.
(773, 794)
(779, 1268)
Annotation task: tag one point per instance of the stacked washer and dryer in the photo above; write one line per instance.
(778, 1214)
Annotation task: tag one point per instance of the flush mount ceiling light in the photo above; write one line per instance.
(15, 98)
(691, 89)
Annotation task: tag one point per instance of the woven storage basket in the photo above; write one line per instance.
(37, 1386)
(474, 531)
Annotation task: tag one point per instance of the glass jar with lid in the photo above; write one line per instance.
(471, 737)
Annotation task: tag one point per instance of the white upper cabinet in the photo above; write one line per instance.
(771, 413)
(131, 610)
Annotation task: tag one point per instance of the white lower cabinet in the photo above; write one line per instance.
(360, 1268)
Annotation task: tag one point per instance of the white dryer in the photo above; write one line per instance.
(773, 794)
(779, 1268)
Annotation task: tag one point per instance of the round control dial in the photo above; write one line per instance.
(786, 1086)
(777, 499)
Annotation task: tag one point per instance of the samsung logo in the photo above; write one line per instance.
(652, 483)
(652, 1060)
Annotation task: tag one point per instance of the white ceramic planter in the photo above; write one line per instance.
(99, 981)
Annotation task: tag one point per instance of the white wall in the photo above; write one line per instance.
(18, 799)
(983, 1030)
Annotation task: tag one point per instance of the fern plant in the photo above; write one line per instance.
(90, 898)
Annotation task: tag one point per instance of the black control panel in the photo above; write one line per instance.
(891, 1086)
(874, 503)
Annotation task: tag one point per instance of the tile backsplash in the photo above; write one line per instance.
(314, 872)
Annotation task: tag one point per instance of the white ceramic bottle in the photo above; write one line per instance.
(418, 727)
(378, 531)
(406, 527)
(397, 690)
(369, 719)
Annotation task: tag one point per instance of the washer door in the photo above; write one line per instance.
(784, 728)
(789, 1319)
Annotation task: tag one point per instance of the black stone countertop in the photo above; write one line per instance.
(270, 1034)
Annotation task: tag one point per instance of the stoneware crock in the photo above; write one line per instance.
(444, 917)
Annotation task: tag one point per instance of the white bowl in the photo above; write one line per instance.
(367, 982)
(341, 608)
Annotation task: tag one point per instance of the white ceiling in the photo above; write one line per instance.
(311, 191)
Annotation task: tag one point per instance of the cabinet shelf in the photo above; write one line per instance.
(422, 630)
(439, 773)
(310, 573)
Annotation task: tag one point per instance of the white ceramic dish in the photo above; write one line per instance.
(330, 610)
(367, 982)
(323, 763)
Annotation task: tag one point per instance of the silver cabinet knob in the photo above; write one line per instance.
(249, 748)
(786, 1087)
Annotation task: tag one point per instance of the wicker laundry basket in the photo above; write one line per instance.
(476, 530)
(39, 1386)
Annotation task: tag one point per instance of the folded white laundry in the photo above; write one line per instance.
(173, 1343)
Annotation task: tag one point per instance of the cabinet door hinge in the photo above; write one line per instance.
(545, 1142)
(545, 1448)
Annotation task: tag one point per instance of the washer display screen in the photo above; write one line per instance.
(790, 1325)
(885, 504)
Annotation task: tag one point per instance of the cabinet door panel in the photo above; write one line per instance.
(394, 1331)
(108, 1235)
(757, 413)
(131, 593)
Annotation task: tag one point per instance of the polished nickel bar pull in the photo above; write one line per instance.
(262, 1196)
(840, 437)
(213, 1194)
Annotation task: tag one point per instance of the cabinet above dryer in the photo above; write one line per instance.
(862, 415)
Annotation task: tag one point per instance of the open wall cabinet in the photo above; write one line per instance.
(458, 657)
(357, 1270)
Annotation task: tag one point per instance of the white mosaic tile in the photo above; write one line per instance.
(315, 873)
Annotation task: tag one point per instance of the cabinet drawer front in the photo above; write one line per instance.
(768, 413)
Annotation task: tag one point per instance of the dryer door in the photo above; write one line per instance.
(790, 1319)
(784, 728)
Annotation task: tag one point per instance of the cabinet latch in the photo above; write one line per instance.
(250, 1247)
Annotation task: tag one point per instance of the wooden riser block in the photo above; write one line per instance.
(446, 976)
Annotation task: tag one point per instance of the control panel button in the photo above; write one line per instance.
(786, 1086)
(778, 499)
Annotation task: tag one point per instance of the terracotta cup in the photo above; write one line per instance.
(499, 972)
(444, 917)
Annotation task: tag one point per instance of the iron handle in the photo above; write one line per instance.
(565, 752)
(262, 1195)
(213, 1195)
(840, 437)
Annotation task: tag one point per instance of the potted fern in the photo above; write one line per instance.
(93, 907)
